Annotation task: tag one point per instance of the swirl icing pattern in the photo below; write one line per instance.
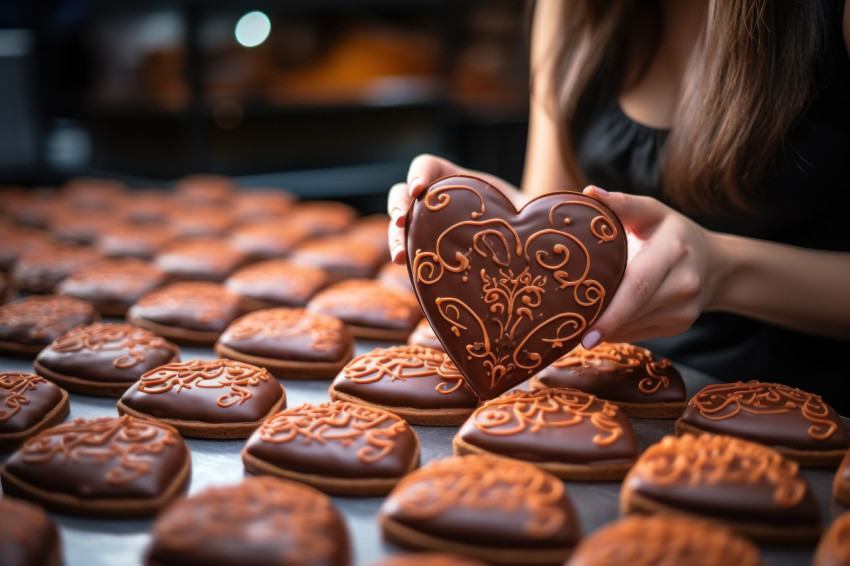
(621, 356)
(208, 301)
(235, 376)
(279, 324)
(105, 337)
(400, 363)
(511, 291)
(13, 392)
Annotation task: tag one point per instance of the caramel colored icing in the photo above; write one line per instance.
(45, 315)
(664, 540)
(270, 520)
(834, 547)
(124, 278)
(14, 389)
(368, 296)
(237, 377)
(621, 356)
(131, 340)
(371, 432)
(325, 331)
(400, 363)
(207, 302)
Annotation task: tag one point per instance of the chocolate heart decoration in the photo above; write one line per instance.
(507, 292)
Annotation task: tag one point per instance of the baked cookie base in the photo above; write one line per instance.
(289, 369)
(76, 384)
(414, 416)
(528, 555)
(21, 350)
(806, 458)
(328, 484)
(198, 429)
(775, 535)
(380, 334)
(563, 470)
(10, 441)
(183, 336)
(118, 508)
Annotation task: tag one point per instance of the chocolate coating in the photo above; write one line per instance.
(617, 372)
(406, 376)
(485, 500)
(16, 241)
(510, 292)
(191, 222)
(423, 335)
(770, 413)
(195, 305)
(267, 239)
(277, 283)
(554, 425)
(101, 459)
(834, 547)
(395, 274)
(200, 260)
(142, 242)
(107, 352)
(289, 334)
(214, 391)
(340, 440)
(368, 303)
(41, 269)
(28, 536)
(258, 204)
(341, 257)
(25, 400)
(722, 477)
(34, 322)
(841, 482)
(262, 521)
(322, 217)
(112, 286)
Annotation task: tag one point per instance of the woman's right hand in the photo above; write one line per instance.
(424, 170)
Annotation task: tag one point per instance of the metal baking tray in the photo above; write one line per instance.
(98, 542)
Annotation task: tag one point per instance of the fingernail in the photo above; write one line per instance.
(399, 220)
(413, 185)
(598, 190)
(397, 253)
(591, 339)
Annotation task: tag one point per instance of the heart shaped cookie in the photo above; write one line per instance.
(508, 292)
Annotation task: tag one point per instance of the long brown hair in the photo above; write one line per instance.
(753, 75)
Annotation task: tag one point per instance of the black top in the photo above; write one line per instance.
(801, 206)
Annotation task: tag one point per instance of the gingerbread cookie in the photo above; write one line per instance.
(17, 241)
(290, 343)
(566, 432)
(28, 404)
(841, 483)
(189, 312)
(748, 487)
(418, 384)
(629, 376)
(342, 257)
(42, 268)
(495, 509)
(428, 559)
(275, 283)
(336, 447)
(112, 286)
(28, 325)
(199, 260)
(371, 310)
(795, 423)
(138, 241)
(322, 217)
(261, 520)
(269, 239)
(395, 274)
(103, 359)
(259, 204)
(423, 335)
(206, 398)
(834, 547)
(29, 536)
(118, 467)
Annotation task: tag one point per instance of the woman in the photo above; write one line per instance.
(726, 125)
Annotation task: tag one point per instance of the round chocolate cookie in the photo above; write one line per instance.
(205, 189)
(339, 448)
(6, 290)
(748, 487)
(322, 217)
(841, 483)
(260, 521)
(395, 274)
(103, 359)
(664, 539)
(29, 536)
(41, 269)
(210, 222)
(267, 239)
(629, 376)
(797, 424)
(199, 260)
(834, 547)
(80, 227)
(206, 398)
(17, 241)
(28, 404)
(499, 510)
(418, 384)
(190, 312)
(290, 343)
(423, 335)
(129, 240)
(371, 310)
(30, 324)
(112, 286)
(340, 256)
(275, 283)
(259, 204)
(566, 432)
(118, 467)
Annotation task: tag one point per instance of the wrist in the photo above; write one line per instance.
(724, 266)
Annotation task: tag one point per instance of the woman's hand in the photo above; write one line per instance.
(424, 170)
(670, 276)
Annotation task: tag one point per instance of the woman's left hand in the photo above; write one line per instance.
(669, 278)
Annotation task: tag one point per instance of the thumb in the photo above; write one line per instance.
(637, 213)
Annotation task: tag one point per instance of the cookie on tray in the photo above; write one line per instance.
(423, 335)
(29, 536)
(640, 540)
(119, 467)
(267, 239)
(187, 312)
(134, 241)
(746, 486)
(569, 433)
(629, 376)
(419, 384)
(112, 286)
(834, 547)
(276, 283)
(322, 217)
(199, 260)
(841, 482)
(30, 324)
(797, 424)
(42, 268)
(336, 447)
(371, 309)
(206, 398)
(290, 343)
(494, 509)
(428, 559)
(103, 359)
(341, 256)
(28, 404)
(261, 520)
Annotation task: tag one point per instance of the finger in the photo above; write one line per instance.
(398, 201)
(424, 170)
(396, 240)
(637, 213)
